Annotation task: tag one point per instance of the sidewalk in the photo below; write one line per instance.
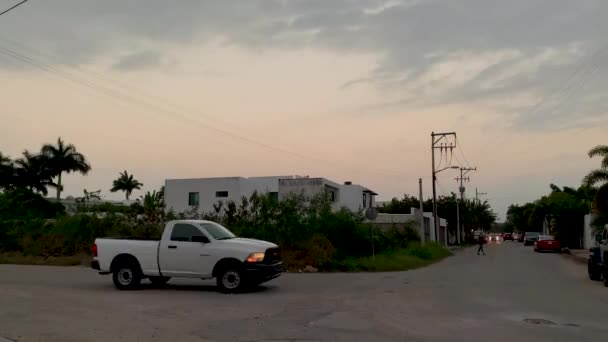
(578, 255)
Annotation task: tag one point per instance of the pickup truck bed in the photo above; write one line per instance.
(144, 250)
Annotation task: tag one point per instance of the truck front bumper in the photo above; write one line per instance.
(259, 273)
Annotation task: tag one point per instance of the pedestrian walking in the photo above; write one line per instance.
(481, 240)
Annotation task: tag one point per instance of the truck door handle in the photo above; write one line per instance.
(172, 247)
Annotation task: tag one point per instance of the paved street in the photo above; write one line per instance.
(464, 298)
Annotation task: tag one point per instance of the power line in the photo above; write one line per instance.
(110, 92)
(561, 94)
(12, 8)
(461, 150)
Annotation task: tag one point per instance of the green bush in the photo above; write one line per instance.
(23, 204)
(307, 230)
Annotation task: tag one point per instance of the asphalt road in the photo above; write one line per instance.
(511, 294)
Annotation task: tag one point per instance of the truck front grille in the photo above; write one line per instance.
(272, 255)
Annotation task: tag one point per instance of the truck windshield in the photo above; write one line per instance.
(217, 231)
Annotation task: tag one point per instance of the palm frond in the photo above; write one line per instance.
(600, 151)
(596, 176)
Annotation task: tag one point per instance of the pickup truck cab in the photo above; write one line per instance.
(188, 249)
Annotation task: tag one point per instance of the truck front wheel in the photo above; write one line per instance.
(230, 280)
(126, 276)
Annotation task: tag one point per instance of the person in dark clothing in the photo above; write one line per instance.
(481, 240)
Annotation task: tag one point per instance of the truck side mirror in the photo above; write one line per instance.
(200, 238)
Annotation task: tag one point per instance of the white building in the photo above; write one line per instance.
(348, 195)
(184, 194)
(388, 221)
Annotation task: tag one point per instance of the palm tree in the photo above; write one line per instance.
(32, 171)
(126, 183)
(599, 176)
(152, 204)
(64, 158)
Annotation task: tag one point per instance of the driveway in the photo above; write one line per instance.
(511, 294)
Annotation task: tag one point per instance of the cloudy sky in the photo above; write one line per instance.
(347, 90)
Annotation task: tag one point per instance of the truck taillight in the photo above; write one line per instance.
(94, 250)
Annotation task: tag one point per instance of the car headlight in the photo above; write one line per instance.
(255, 257)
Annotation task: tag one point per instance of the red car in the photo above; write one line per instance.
(547, 243)
(507, 237)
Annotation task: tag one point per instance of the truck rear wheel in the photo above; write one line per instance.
(230, 280)
(594, 271)
(126, 276)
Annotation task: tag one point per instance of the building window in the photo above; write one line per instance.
(221, 194)
(193, 199)
(364, 200)
(332, 196)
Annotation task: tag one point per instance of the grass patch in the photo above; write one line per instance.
(20, 259)
(415, 256)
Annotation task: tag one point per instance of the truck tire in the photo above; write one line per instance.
(159, 281)
(127, 276)
(595, 273)
(230, 279)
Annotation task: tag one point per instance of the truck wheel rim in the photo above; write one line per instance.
(125, 276)
(231, 279)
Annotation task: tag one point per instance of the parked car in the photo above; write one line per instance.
(507, 237)
(530, 238)
(188, 249)
(520, 237)
(547, 243)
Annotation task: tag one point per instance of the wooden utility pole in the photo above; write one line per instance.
(421, 211)
(436, 138)
(461, 189)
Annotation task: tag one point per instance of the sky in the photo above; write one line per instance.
(348, 90)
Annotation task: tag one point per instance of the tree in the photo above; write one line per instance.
(126, 183)
(152, 205)
(32, 172)
(7, 172)
(64, 158)
(599, 176)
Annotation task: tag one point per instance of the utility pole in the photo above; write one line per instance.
(421, 210)
(436, 138)
(461, 189)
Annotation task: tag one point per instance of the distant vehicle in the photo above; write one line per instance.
(547, 243)
(188, 249)
(507, 237)
(530, 238)
(493, 238)
(520, 237)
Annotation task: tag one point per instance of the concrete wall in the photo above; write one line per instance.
(346, 196)
(177, 190)
(351, 197)
(309, 187)
(588, 234)
(386, 222)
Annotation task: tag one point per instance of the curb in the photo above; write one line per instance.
(576, 258)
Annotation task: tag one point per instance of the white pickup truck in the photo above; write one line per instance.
(188, 249)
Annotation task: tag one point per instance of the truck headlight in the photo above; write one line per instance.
(255, 257)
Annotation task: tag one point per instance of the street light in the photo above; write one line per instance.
(435, 218)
